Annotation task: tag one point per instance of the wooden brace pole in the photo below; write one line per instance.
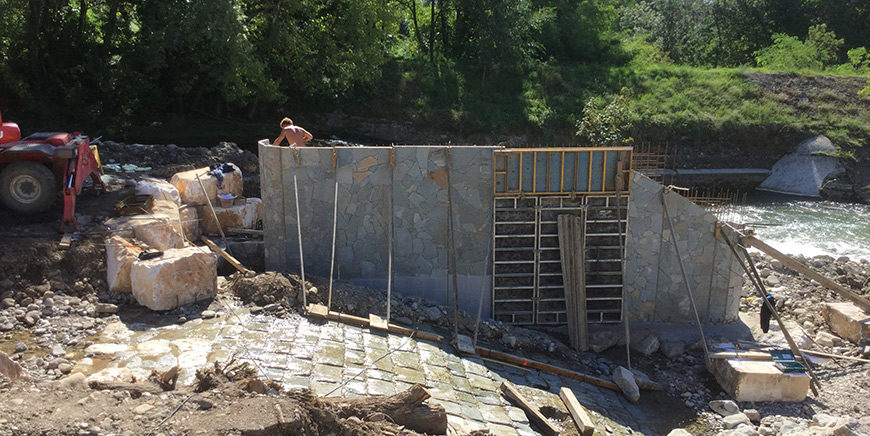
(793, 264)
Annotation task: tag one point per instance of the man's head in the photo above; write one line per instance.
(286, 122)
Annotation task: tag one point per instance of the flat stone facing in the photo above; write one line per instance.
(847, 320)
(191, 192)
(756, 380)
(179, 277)
(324, 355)
(654, 284)
(412, 195)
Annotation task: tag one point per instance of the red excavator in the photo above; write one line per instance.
(34, 170)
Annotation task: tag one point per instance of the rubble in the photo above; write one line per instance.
(179, 277)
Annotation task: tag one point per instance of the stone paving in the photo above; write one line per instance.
(334, 359)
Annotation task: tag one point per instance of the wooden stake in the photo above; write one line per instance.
(683, 270)
(514, 396)
(578, 412)
(213, 214)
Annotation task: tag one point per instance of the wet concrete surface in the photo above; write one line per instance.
(334, 359)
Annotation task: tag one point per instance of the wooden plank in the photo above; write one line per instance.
(238, 231)
(535, 416)
(377, 322)
(793, 264)
(584, 422)
(229, 258)
(746, 355)
(65, 241)
(522, 361)
(571, 249)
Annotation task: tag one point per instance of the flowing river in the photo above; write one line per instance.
(809, 227)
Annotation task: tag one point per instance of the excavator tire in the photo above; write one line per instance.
(27, 187)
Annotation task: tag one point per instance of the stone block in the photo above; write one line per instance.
(736, 419)
(191, 192)
(170, 210)
(847, 320)
(120, 255)
(158, 232)
(179, 277)
(242, 216)
(159, 189)
(190, 222)
(748, 380)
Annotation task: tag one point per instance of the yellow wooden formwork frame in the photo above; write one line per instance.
(505, 154)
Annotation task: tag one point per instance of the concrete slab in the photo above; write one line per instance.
(847, 320)
(753, 380)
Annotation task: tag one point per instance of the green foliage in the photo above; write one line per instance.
(788, 53)
(527, 67)
(606, 126)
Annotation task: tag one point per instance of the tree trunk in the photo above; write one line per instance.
(109, 27)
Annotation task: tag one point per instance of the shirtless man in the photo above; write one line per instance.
(294, 135)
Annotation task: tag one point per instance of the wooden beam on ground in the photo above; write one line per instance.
(535, 416)
(578, 412)
(238, 231)
(522, 361)
(796, 266)
(229, 258)
(314, 310)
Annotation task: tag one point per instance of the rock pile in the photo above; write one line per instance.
(179, 273)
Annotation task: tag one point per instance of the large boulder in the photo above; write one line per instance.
(241, 216)
(179, 277)
(802, 171)
(120, 255)
(191, 192)
(159, 189)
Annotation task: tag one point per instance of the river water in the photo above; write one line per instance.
(796, 225)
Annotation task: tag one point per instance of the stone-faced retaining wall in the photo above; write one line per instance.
(654, 284)
(418, 183)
